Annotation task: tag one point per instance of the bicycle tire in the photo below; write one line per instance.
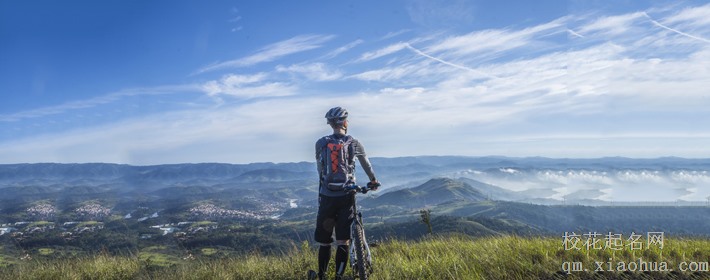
(361, 252)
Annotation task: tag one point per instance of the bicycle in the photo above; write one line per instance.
(360, 255)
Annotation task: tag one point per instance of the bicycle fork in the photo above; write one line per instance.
(353, 255)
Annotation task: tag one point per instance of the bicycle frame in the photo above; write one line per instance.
(356, 225)
(353, 255)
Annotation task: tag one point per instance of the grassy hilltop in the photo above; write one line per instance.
(506, 257)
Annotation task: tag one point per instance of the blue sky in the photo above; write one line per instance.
(242, 81)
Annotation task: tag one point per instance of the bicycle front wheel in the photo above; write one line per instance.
(361, 252)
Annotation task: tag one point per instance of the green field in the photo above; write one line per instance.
(450, 257)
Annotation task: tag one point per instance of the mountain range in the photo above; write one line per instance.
(603, 181)
(486, 195)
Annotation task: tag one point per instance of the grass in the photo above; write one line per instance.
(98, 267)
(41, 223)
(208, 251)
(443, 257)
(45, 251)
(89, 223)
(203, 223)
(4, 262)
(156, 257)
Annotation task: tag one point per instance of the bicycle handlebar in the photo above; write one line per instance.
(356, 188)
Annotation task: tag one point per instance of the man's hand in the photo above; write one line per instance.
(373, 185)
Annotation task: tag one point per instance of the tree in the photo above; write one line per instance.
(425, 214)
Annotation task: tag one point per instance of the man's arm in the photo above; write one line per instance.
(364, 161)
(319, 164)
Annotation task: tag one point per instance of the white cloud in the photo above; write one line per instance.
(573, 33)
(612, 25)
(272, 52)
(312, 71)
(395, 34)
(96, 101)
(382, 52)
(495, 40)
(403, 91)
(232, 80)
(388, 73)
(675, 30)
(419, 52)
(247, 86)
(693, 17)
(343, 49)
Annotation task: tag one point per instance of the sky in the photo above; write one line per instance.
(158, 82)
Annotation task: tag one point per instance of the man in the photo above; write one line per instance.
(335, 158)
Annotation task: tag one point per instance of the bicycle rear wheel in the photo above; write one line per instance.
(361, 252)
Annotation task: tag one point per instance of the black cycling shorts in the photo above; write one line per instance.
(334, 212)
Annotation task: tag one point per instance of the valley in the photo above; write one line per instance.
(61, 210)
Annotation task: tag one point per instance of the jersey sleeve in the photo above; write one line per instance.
(319, 164)
(361, 156)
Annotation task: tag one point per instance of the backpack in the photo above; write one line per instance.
(337, 159)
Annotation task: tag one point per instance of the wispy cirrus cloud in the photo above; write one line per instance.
(398, 73)
(247, 86)
(675, 30)
(612, 25)
(96, 101)
(342, 49)
(312, 71)
(382, 52)
(473, 48)
(419, 52)
(573, 33)
(692, 17)
(272, 52)
(496, 40)
(395, 34)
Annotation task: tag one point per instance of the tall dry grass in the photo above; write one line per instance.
(443, 257)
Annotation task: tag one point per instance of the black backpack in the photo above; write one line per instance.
(338, 164)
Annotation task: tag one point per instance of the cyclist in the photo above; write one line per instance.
(335, 158)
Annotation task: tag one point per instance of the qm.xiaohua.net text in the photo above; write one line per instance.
(617, 242)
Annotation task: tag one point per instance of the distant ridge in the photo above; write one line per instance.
(227, 169)
(443, 165)
(163, 171)
(433, 192)
(537, 180)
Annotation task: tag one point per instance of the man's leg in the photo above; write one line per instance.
(325, 223)
(344, 218)
(341, 257)
(323, 259)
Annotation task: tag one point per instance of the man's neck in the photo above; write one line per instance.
(339, 131)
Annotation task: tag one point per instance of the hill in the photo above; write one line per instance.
(446, 225)
(433, 192)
